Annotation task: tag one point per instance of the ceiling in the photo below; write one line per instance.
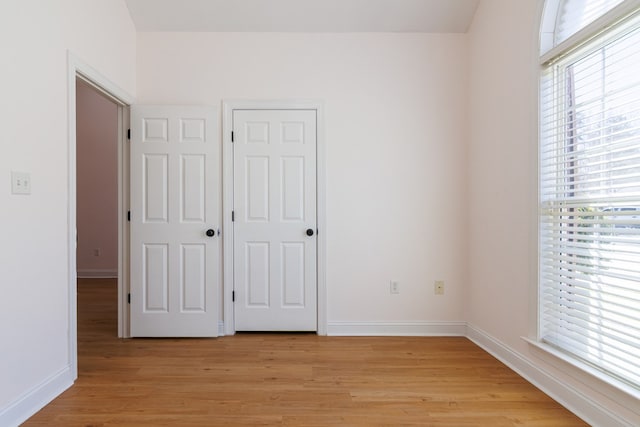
(424, 16)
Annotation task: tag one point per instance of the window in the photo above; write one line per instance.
(574, 15)
(589, 180)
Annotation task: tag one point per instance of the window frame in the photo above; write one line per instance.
(550, 52)
(609, 26)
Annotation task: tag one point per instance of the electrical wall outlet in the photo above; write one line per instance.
(20, 183)
(438, 287)
(394, 287)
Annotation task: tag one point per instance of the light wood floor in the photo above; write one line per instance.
(286, 380)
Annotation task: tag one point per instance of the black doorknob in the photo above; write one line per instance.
(211, 232)
(309, 231)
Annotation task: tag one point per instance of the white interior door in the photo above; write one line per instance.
(274, 226)
(175, 247)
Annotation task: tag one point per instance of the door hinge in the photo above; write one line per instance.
(233, 216)
(129, 216)
(129, 298)
(233, 296)
(232, 139)
(129, 134)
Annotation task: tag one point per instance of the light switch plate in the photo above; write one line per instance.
(20, 183)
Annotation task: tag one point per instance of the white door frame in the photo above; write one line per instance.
(227, 200)
(79, 69)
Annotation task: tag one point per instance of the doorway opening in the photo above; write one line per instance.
(79, 70)
(96, 202)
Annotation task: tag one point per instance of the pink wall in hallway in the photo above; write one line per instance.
(97, 197)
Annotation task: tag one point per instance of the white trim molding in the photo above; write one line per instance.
(77, 68)
(97, 274)
(400, 329)
(571, 398)
(38, 397)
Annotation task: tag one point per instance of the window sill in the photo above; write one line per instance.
(595, 377)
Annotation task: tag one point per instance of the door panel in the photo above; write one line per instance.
(155, 188)
(257, 189)
(193, 280)
(292, 170)
(257, 274)
(155, 272)
(174, 201)
(192, 188)
(274, 205)
(293, 290)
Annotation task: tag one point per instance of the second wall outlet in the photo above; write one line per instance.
(394, 287)
(20, 183)
(438, 287)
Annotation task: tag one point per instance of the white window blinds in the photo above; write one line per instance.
(589, 303)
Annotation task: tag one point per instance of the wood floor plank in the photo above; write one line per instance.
(256, 379)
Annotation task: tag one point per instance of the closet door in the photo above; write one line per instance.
(274, 228)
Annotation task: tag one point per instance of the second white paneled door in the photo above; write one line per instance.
(275, 220)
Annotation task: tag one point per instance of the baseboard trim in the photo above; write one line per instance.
(37, 398)
(416, 329)
(575, 401)
(97, 274)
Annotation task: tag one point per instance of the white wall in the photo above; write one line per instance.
(96, 183)
(502, 162)
(34, 38)
(501, 304)
(417, 189)
(395, 133)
